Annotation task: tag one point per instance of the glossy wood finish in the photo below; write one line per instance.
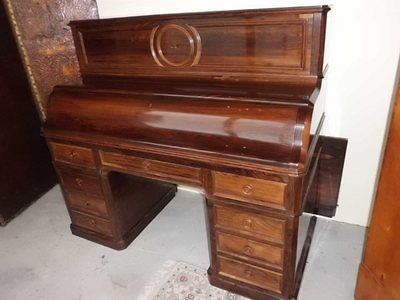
(379, 274)
(250, 224)
(72, 154)
(250, 274)
(243, 129)
(25, 163)
(233, 245)
(80, 181)
(89, 204)
(181, 173)
(221, 46)
(252, 190)
(324, 193)
(91, 223)
(219, 101)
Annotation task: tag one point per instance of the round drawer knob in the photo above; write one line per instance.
(87, 203)
(92, 222)
(79, 181)
(73, 155)
(248, 250)
(146, 165)
(248, 223)
(247, 189)
(248, 273)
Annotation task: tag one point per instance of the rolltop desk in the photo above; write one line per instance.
(221, 101)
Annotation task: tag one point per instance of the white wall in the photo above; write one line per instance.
(363, 49)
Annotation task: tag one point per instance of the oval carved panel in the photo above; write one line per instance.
(175, 45)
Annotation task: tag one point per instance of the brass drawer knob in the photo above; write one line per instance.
(248, 223)
(146, 165)
(79, 181)
(73, 154)
(248, 250)
(248, 273)
(247, 189)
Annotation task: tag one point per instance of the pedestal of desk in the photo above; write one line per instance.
(111, 208)
(253, 232)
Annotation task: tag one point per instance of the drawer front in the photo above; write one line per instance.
(249, 274)
(251, 190)
(251, 224)
(181, 173)
(88, 204)
(92, 223)
(80, 182)
(73, 154)
(249, 249)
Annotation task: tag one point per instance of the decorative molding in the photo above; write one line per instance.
(25, 60)
(192, 39)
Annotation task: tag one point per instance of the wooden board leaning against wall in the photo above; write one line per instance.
(379, 275)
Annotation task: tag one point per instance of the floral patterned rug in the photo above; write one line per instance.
(188, 282)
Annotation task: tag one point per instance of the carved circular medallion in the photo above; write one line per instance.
(175, 45)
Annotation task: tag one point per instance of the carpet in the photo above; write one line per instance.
(188, 282)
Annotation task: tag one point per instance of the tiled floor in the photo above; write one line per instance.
(40, 259)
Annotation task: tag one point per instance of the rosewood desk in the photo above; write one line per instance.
(222, 101)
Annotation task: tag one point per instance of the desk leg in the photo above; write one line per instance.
(303, 258)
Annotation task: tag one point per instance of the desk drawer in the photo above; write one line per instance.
(80, 181)
(251, 224)
(92, 223)
(249, 274)
(249, 249)
(91, 205)
(181, 173)
(73, 154)
(251, 190)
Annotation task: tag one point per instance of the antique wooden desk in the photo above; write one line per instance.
(220, 101)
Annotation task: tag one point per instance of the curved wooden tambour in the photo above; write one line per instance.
(265, 131)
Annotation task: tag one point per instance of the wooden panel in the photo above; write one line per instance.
(324, 192)
(73, 154)
(251, 43)
(80, 182)
(245, 129)
(380, 270)
(46, 42)
(370, 288)
(252, 224)
(246, 248)
(89, 204)
(252, 190)
(221, 46)
(250, 274)
(137, 200)
(26, 171)
(92, 223)
(171, 171)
